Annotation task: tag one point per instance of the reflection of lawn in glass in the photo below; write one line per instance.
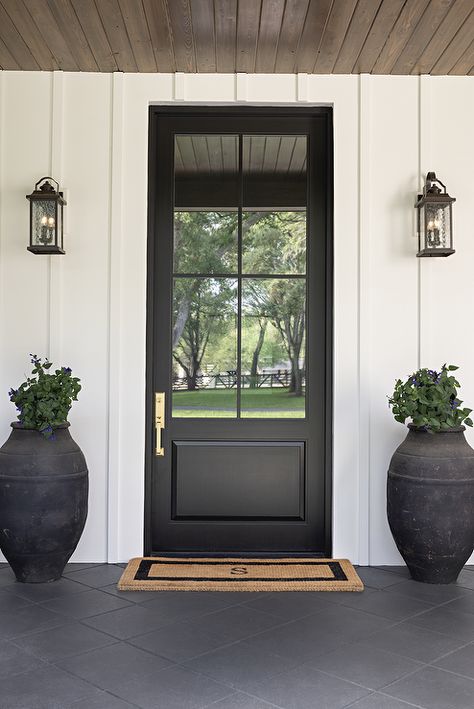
(221, 403)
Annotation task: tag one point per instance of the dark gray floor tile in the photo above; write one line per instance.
(178, 642)
(63, 642)
(38, 592)
(235, 623)
(414, 642)
(239, 700)
(73, 566)
(433, 688)
(127, 622)
(174, 688)
(463, 604)
(378, 700)
(43, 689)
(448, 622)
(14, 661)
(346, 624)
(98, 576)
(113, 664)
(362, 664)
(236, 598)
(296, 641)
(28, 620)
(292, 605)
(302, 687)
(132, 596)
(183, 605)
(461, 661)
(91, 602)
(428, 592)
(240, 665)
(10, 602)
(376, 578)
(102, 700)
(387, 605)
(400, 570)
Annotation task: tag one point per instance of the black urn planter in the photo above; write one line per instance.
(430, 503)
(43, 502)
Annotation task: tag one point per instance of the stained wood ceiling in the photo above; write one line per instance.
(261, 155)
(265, 36)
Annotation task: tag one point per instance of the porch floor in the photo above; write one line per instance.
(80, 643)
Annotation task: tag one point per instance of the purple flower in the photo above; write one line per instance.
(67, 370)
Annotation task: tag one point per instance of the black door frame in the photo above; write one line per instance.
(324, 113)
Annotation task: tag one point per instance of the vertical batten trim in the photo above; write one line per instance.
(179, 86)
(114, 315)
(241, 87)
(55, 262)
(302, 87)
(424, 265)
(364, 314)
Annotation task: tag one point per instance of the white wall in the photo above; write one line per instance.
(87, 309)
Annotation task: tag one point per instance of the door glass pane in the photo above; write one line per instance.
(205, 242)
(274, 242)
(264, 265)
(273, 348)
(206, 201)
(204, 348)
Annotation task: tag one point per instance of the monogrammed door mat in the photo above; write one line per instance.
(156, 573)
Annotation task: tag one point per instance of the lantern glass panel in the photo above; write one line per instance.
(59, 225)
(421, 229)
(438, 226)
(43, 223)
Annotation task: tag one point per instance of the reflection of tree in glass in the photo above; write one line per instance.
(205, 242)
(211, 315)
(274, 242)
(282, 301)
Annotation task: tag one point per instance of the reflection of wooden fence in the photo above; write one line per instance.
(228, 380)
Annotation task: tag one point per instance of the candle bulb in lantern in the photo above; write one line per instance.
(44, 230)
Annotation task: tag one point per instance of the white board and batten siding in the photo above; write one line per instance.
(87, 309)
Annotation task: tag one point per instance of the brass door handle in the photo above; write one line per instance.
(159, 421)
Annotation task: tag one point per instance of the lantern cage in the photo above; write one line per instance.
(46, 218)
(435, 223)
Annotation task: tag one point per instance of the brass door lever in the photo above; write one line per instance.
(159, 421)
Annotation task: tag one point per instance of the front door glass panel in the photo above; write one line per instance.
(239, 282)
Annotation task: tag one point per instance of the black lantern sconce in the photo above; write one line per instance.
(435, 219)
(46, 218)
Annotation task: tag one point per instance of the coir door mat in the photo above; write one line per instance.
(228, 574)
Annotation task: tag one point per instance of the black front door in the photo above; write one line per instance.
(239, 325)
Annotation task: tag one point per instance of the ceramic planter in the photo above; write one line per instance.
(430, 503)
(43, 502)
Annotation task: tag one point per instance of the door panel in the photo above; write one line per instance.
(238, 323)
(218, 479)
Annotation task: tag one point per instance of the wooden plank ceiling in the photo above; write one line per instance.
(215, 155)
(265, 36)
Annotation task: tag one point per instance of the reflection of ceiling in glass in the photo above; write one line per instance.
(219, 154)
